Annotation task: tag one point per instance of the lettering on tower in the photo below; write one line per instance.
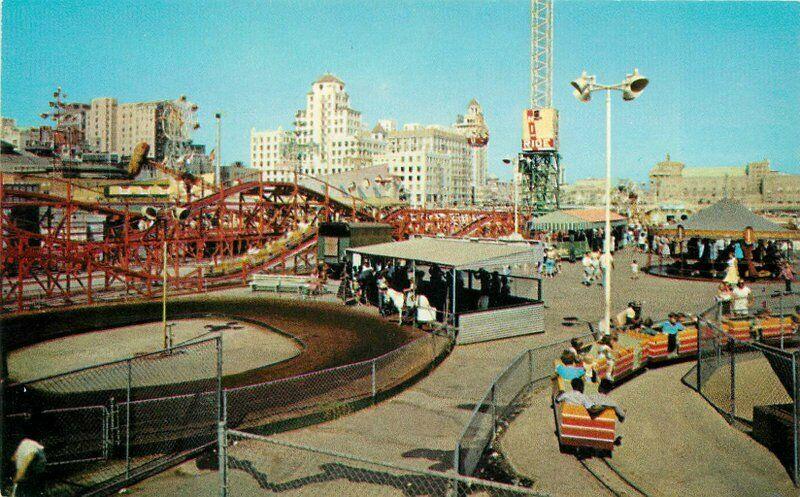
(539, 130)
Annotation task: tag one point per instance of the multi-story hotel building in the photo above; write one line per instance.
(275, 153)
(117, 128)
(437, 165)
(434, 164)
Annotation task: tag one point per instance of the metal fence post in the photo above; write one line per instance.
(374, 381)
(220, 407)
(494, 409)
(128, 422)
(222, 457)
(733, 380)
(530, 367)
(699, 355)
(795, 420)
(780, 313)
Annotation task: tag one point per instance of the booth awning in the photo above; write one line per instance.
(458, 254)
(729, 219)
(574, 219)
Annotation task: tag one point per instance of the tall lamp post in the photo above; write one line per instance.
(633, 85)
(218, 162)
(515, 162)
(159, 216)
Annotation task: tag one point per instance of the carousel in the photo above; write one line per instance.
(725, 240)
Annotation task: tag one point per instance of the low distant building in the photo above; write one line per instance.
(236, 171)
(755, 184)
(586, 192)
(496, 192)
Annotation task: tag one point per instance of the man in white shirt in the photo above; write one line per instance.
(588, 270)
(741, 299)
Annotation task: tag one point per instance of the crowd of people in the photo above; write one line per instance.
(397, 287)
(732, 259)
(582, 363)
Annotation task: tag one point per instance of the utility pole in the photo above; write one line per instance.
(217, 166)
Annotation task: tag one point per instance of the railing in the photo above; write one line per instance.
(331, 392)
(99, 429)
(97, 423)
(503, 397)
(748, 379)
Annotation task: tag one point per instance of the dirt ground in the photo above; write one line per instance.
(245, 346)
(756, 385)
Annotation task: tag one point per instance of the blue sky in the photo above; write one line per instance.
(725, 77)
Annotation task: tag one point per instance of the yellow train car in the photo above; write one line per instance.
(577, 427)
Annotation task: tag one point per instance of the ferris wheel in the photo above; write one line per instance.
(179, 121)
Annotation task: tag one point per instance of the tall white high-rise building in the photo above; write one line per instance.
(329, 132)
(434, 164)
(437, 165)
(275, 153)
(473, 126)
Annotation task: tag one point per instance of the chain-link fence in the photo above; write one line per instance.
(253, 465)
(333, 391)
(105, 424)
(752, 384)
(504, 397)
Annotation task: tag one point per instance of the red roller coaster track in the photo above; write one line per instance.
(48, 259)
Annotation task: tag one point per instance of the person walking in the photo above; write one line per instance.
(29, 460)
(634, 269)
(588, 270)
(595, 265)
(732, 270)
(787, 273)
(741, 296)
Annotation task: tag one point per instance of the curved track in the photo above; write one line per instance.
(332, 335)
(611, 478)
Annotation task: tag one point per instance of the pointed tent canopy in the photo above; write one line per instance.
(729, 219)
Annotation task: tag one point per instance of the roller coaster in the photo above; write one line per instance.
(48, 259)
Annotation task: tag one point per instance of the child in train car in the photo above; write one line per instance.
(648, 327)
(671, 327)
(590, 365)
(577, 347)
(570, 369)
(605, 350)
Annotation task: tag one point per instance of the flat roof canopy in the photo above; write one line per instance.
(574, 219)
(458, 254)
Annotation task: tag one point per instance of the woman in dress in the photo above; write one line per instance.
(732, 271)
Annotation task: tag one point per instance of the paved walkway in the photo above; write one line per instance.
(420, 426)
(674, 445)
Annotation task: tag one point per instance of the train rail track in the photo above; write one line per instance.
(611, 478)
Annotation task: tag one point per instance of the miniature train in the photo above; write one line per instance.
(633, 351)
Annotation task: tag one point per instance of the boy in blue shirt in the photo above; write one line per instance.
(671, 327)
(571, 371)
